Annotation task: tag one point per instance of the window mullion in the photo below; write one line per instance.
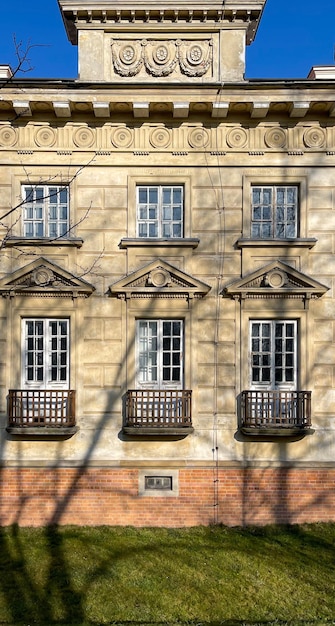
(46, 205)
(160, 212)
(160, 353)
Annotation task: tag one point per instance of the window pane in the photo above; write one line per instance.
(176, 374)
(142, 195)
(177, 195)
(153, 195)
(266, 375)
(166, 195)
(153, 230)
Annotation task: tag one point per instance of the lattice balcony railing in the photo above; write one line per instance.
(157, 408)
(276, 409)
(41, 408)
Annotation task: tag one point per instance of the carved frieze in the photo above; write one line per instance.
(160, 58)
(180, 138)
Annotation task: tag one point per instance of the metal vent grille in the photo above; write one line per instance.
(158, 482)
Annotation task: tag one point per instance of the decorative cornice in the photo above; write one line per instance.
(58, 107)
(120, 14)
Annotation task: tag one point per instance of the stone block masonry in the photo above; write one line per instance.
(110, 496)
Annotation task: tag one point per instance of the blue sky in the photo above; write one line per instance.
(293, 36)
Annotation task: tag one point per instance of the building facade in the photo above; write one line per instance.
(166, 278)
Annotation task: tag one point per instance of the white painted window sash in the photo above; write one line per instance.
(160, 210)
(45, 211)
(45, 353)
(274, 211)
(273, 354)
(159, 354)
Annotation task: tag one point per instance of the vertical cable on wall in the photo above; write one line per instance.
(219, 202)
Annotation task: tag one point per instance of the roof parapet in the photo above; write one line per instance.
(322, 72)
(6, 71)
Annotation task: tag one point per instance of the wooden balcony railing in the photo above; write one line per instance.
(157, 410)
(47, 408)
(274, 409)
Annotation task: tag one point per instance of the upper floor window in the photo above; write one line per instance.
(274, 211)
(160, 211)
(45, 211)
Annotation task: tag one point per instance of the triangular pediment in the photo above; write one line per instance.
(159, 279)
(277, 279)
(41, 277)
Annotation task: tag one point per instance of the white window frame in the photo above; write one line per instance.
(275, 176)
(151, 220)
(270, 355)
(46, 213)
(43, 353)
(150, 351)
(269, 222)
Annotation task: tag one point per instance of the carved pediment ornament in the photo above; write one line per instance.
(160, 57)
(44, 279)
(159, 280)
(275, 280)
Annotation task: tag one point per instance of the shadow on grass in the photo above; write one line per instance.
(32, 599)
(41, 584)
(30, 622)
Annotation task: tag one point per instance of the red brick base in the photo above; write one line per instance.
(36, 497)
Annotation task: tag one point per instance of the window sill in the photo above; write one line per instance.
(275, 432)
(44, 432)
(183, 242)
(167, 431)
(304, 242)
(11, 242)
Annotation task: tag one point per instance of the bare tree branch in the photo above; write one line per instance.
(23, 63)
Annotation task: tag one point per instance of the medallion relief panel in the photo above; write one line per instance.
(220, 139)
(160, 58)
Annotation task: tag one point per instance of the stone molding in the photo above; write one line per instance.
(88, 15)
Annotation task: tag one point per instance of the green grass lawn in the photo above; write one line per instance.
(198, 576)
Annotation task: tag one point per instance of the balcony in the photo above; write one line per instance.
(276, 413)
(158, 412)
(41, 412)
